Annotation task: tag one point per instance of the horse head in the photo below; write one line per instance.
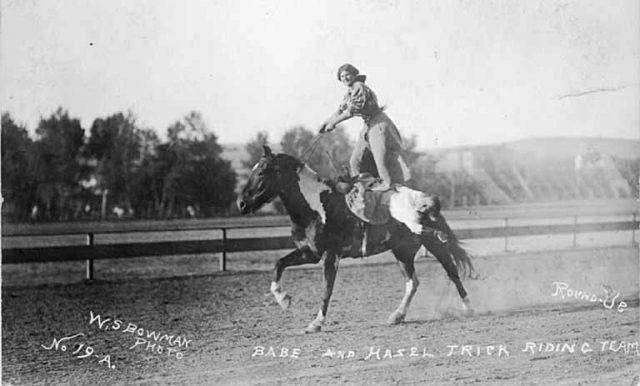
(268, 178)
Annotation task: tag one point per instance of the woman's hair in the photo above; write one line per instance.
(351, 69)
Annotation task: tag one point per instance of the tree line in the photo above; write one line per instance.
(119, 168)
(66, 173)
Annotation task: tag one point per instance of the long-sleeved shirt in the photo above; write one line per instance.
(361, 101)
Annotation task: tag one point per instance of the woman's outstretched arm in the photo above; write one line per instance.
(334, 119)
(352, 105)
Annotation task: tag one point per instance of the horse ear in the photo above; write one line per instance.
(267, 151)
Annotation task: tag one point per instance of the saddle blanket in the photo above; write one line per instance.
(401, 203)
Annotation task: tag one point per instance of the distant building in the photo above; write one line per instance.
(543, 169)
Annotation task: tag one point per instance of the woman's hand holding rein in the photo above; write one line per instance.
(326, 127)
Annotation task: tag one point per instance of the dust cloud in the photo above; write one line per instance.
(509, 282)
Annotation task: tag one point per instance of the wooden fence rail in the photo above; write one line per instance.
(93, 251)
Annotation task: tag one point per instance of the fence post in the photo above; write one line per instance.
(223, 256)
(575, 231)
(506, 234)
(89, 262)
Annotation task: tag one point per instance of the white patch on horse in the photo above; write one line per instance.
(319, 318)
(311, 187)
(405, 206)
(254, 167)
(310, 236)
(277, 291)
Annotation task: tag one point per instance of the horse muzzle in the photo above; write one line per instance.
(242, 206)
(246, 206)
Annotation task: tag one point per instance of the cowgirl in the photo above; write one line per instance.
(379, 136)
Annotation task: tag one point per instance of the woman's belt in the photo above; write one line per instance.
(368, 117)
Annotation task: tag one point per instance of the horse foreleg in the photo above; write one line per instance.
(441, 252)
(295, 257)
(330, 270)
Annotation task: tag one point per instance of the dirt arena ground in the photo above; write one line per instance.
(228, 323)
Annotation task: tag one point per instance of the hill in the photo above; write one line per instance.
(544, 169)
(528, 170)
(564, 147)
(558, 147)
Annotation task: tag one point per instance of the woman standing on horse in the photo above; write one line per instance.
(379, 136)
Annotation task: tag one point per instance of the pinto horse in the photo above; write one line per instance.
(323, 226)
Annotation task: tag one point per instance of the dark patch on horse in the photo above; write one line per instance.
(301, 213)
(346, 232)
(342, 230)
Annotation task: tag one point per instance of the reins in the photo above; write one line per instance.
(306, 155)
(309, 152)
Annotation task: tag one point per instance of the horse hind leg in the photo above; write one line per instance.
(295, 257)
(405, 258)
(411, 287)
(442, 254)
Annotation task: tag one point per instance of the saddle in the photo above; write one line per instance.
(368, 199)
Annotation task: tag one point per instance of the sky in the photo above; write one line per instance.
(451, 72)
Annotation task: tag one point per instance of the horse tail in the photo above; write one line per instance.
(462, 258)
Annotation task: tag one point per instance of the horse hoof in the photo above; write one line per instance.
(466, 310)
(396, 318)
(285, 302)
(466, 307)
(312, 328)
